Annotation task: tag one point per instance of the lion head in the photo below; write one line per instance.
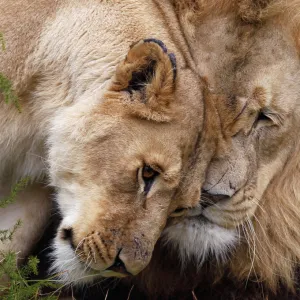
(248, 57)
(118, 162)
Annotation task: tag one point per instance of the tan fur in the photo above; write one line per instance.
(21, 36)
(90, 130)
(247, 53)
(34, 212)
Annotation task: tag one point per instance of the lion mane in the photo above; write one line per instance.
(269, 256)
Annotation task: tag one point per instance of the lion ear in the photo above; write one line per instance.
(146, 77)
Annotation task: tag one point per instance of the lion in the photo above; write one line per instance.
(247, 228)
(113, 133)
(110, 123)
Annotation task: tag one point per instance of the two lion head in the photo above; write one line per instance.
(242, 152)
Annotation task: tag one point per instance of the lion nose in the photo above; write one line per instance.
(208, 198)
(118, 266)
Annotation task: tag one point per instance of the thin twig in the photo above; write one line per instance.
(106, 294)
(130, 292)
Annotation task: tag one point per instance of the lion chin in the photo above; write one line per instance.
(197, 238)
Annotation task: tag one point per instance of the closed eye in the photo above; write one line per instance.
(271, 116)
(178, 212)
(262, 116)
(266, 117)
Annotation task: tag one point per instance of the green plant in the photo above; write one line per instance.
(19, 287)
(7, 234)
(19, 186)
(6, 87)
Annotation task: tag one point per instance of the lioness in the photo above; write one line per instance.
(114, 130)
(248, 54)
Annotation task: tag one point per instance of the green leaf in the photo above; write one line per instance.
(6, 88)
(19, 287)
(19, 186)
(7, 235)
(2, 41)
(31, 267)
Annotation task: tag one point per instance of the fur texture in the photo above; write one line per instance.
(102, 99)
(239, 142)
(248, 56)
(197, 241)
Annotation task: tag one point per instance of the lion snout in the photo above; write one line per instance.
(136, 255)
(115, 255)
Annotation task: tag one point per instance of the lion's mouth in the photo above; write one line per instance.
(208, 199)
(200, 219)
(197, 213)
(117, 269)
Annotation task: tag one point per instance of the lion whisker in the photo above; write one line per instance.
(252, 268)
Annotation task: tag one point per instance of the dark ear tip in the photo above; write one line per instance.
(174, 65)
(165, 50)
(158, 42)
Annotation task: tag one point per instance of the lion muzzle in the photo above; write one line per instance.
(114, 255)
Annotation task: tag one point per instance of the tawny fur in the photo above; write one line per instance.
(247, 53)
(88, 130)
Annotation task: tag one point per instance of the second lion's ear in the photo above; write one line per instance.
(147, 75)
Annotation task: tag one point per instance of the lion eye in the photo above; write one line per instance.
(266, 118)
(178, 212)
(262, 117)
(148, 175)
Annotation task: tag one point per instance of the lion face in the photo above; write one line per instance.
(118, 163)
(257, 108)
(248, 156)
(252, 118)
